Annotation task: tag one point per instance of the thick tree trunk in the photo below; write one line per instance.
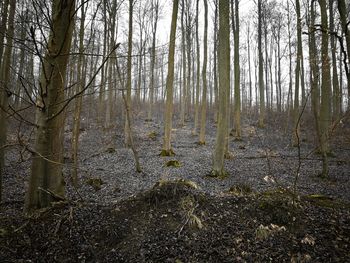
(5, 87)
(46, 181)
(166, 151)
(224, 80)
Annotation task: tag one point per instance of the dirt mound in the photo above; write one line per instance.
(177, 222)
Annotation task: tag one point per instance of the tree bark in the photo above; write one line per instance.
(46, 180)
(224, 80)
(325, 90)
(261, 74)
(5, 87)
(129, 68)
(204, 77)
(237, 70)
(79, 98)
(167, 151)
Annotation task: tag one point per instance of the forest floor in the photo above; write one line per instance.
(179, 214)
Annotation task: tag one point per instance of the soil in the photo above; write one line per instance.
(177, 213)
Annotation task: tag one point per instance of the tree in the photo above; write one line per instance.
(79, 98)
(204, 77)
(261, 76)
(224, 85)
(129, 68)
(345, 28)
(335, 82)
(5, 89)
(46, 181)
(166, 150)
(296, 117)
(237, 90)
(155, 16)
(196, 111)
(325, 90)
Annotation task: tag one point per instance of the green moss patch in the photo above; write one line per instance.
(173, 163)
(96, 183)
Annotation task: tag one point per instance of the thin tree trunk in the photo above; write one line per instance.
(167, 151)
(204, 77)
(336, 94)
(261, 77)
(128, 80)
(325, 91)
(237, 92)
(196, 113)
(79, 98)
(155, 11)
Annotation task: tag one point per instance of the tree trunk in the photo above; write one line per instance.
(224, 80)
(336, 94)
(296, 117)
(325, 90)
(4, 15)
(237, 91)
(5, 87)
(46, 181)
(155, 14)
(196, 112)
(204, 77)
(128, 80)
(167, 151)
(261, 74)
(79, 98)
(343, 13)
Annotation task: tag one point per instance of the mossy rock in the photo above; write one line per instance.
(218, 174)
(165, 153)
(96, 183)
(326, 201)
(153, 135)
(240, 189)
(110, 149)
(173, 163)
(229, 155)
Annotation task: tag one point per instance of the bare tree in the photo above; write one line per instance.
(166, 150)
(46, 181)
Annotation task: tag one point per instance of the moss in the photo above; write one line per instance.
(173, 163)
(110, 149)
(165, 153)
(96, 183)
(218, 174)
(153, 135)
(240, 189)
(229, 155)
